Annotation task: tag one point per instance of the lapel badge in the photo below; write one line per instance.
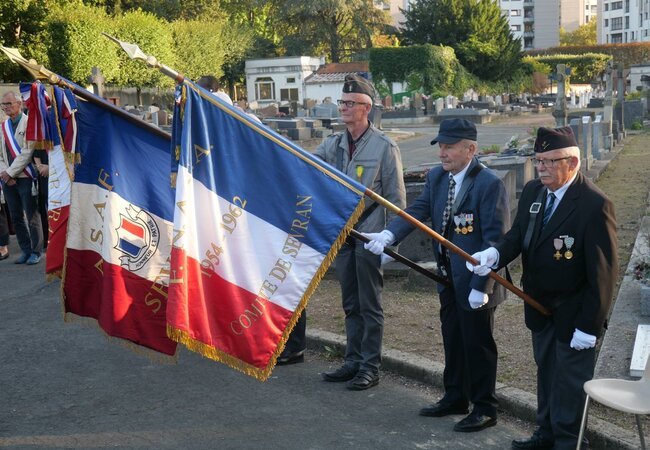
(535, 208)
(457, 222)
(359, 172)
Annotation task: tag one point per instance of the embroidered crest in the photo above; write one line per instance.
(137, 238)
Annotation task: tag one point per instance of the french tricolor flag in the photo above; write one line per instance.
(120, 230)
(257, 222)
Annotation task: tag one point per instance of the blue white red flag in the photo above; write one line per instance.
(51, 124)
(257, 222)
(120, 228)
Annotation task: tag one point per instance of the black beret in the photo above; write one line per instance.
(453, 130)
(553, 138)
(357, 84)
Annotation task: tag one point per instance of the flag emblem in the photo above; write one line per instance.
(137, 238)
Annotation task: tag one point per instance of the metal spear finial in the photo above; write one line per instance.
(38, 71)
(134, 52)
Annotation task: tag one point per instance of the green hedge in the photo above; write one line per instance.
(628, 54)
(585, 68)
(430, 68)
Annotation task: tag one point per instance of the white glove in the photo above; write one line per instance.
(582, 340)
(378, 241)
(385, 259)
(477, 299)
(487, 259)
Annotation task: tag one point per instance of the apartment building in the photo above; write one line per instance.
(538, 22)
(623, 21)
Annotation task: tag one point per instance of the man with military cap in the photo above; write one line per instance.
(565, 231)
(373, 159)
(467, 204)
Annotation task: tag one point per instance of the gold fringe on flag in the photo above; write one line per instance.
(263, 374)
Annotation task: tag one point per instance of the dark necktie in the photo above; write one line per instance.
(549, 209)
(450, 201)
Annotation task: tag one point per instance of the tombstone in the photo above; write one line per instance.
(597, 138)
(96, 78)
(269, 111)
(576, 126)
(620, 98)
(440, 104)
(498, 100)
(467, 96)
(325, 110)
(309, 103)
(387, 102)
(406, 102)
(474, 97)
(573, 98)
(430, 105)
(585, 143)
(417, 104)
(153, 111)
(448, 101)
(559, 110)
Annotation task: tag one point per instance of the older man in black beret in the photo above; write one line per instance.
(565, 231)
(369, 156)
(468, 205)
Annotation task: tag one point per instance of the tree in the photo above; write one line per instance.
(336, 27)
(154, 37)
(475, 29)
(21, 26)
(583, 35)
(75, 44)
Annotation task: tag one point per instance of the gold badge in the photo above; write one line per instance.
(568, 241)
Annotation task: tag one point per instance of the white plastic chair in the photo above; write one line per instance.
(622, 395)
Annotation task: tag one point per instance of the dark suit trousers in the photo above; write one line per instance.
(297, 340)
(561, 375)
(470, 355)
(23, 208)
(362, 283)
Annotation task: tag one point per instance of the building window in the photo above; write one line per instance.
(515, 12)
(617, 39)
(515, 27)
(265, 88)
(617, 24)
(606, 23)
(617, 5)
(606, 6)
(627, 22)
(290, 94)
(291, 79)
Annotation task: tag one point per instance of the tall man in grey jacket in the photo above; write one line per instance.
(369, 156)
(17, 175)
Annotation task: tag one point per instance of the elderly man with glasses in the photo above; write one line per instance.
(367, 155)
(18, 178)
(565, 231)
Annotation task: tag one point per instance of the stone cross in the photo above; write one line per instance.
(559, 111)
(608, 104)
(620, 95)
(97, 80)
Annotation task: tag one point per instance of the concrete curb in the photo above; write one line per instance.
(518, 403)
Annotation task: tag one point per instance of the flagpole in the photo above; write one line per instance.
(39, 72)
(134, 52)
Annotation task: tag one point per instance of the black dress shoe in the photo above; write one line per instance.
(5, 256)
(363, 380)
(475, 422)
(343, 373)
(287, 358)
(442, 409)
(535, 442)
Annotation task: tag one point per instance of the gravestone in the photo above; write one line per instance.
(387, 101)
(608, 111)
(430, 105)
(641, 350)
(268, 111)
(96, 78)
(440, 104)
(559, 109)
(585, 143)
(417, 103)
(597, 138)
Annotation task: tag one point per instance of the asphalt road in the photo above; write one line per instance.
(64, 385)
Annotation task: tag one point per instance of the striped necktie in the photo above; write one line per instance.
(549, 209)
(450, 201)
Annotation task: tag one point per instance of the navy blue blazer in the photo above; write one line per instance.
(578, 286)
(484, 198)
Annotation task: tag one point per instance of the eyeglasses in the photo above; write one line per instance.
(548, 162)
(7, 105)
(350, 103)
